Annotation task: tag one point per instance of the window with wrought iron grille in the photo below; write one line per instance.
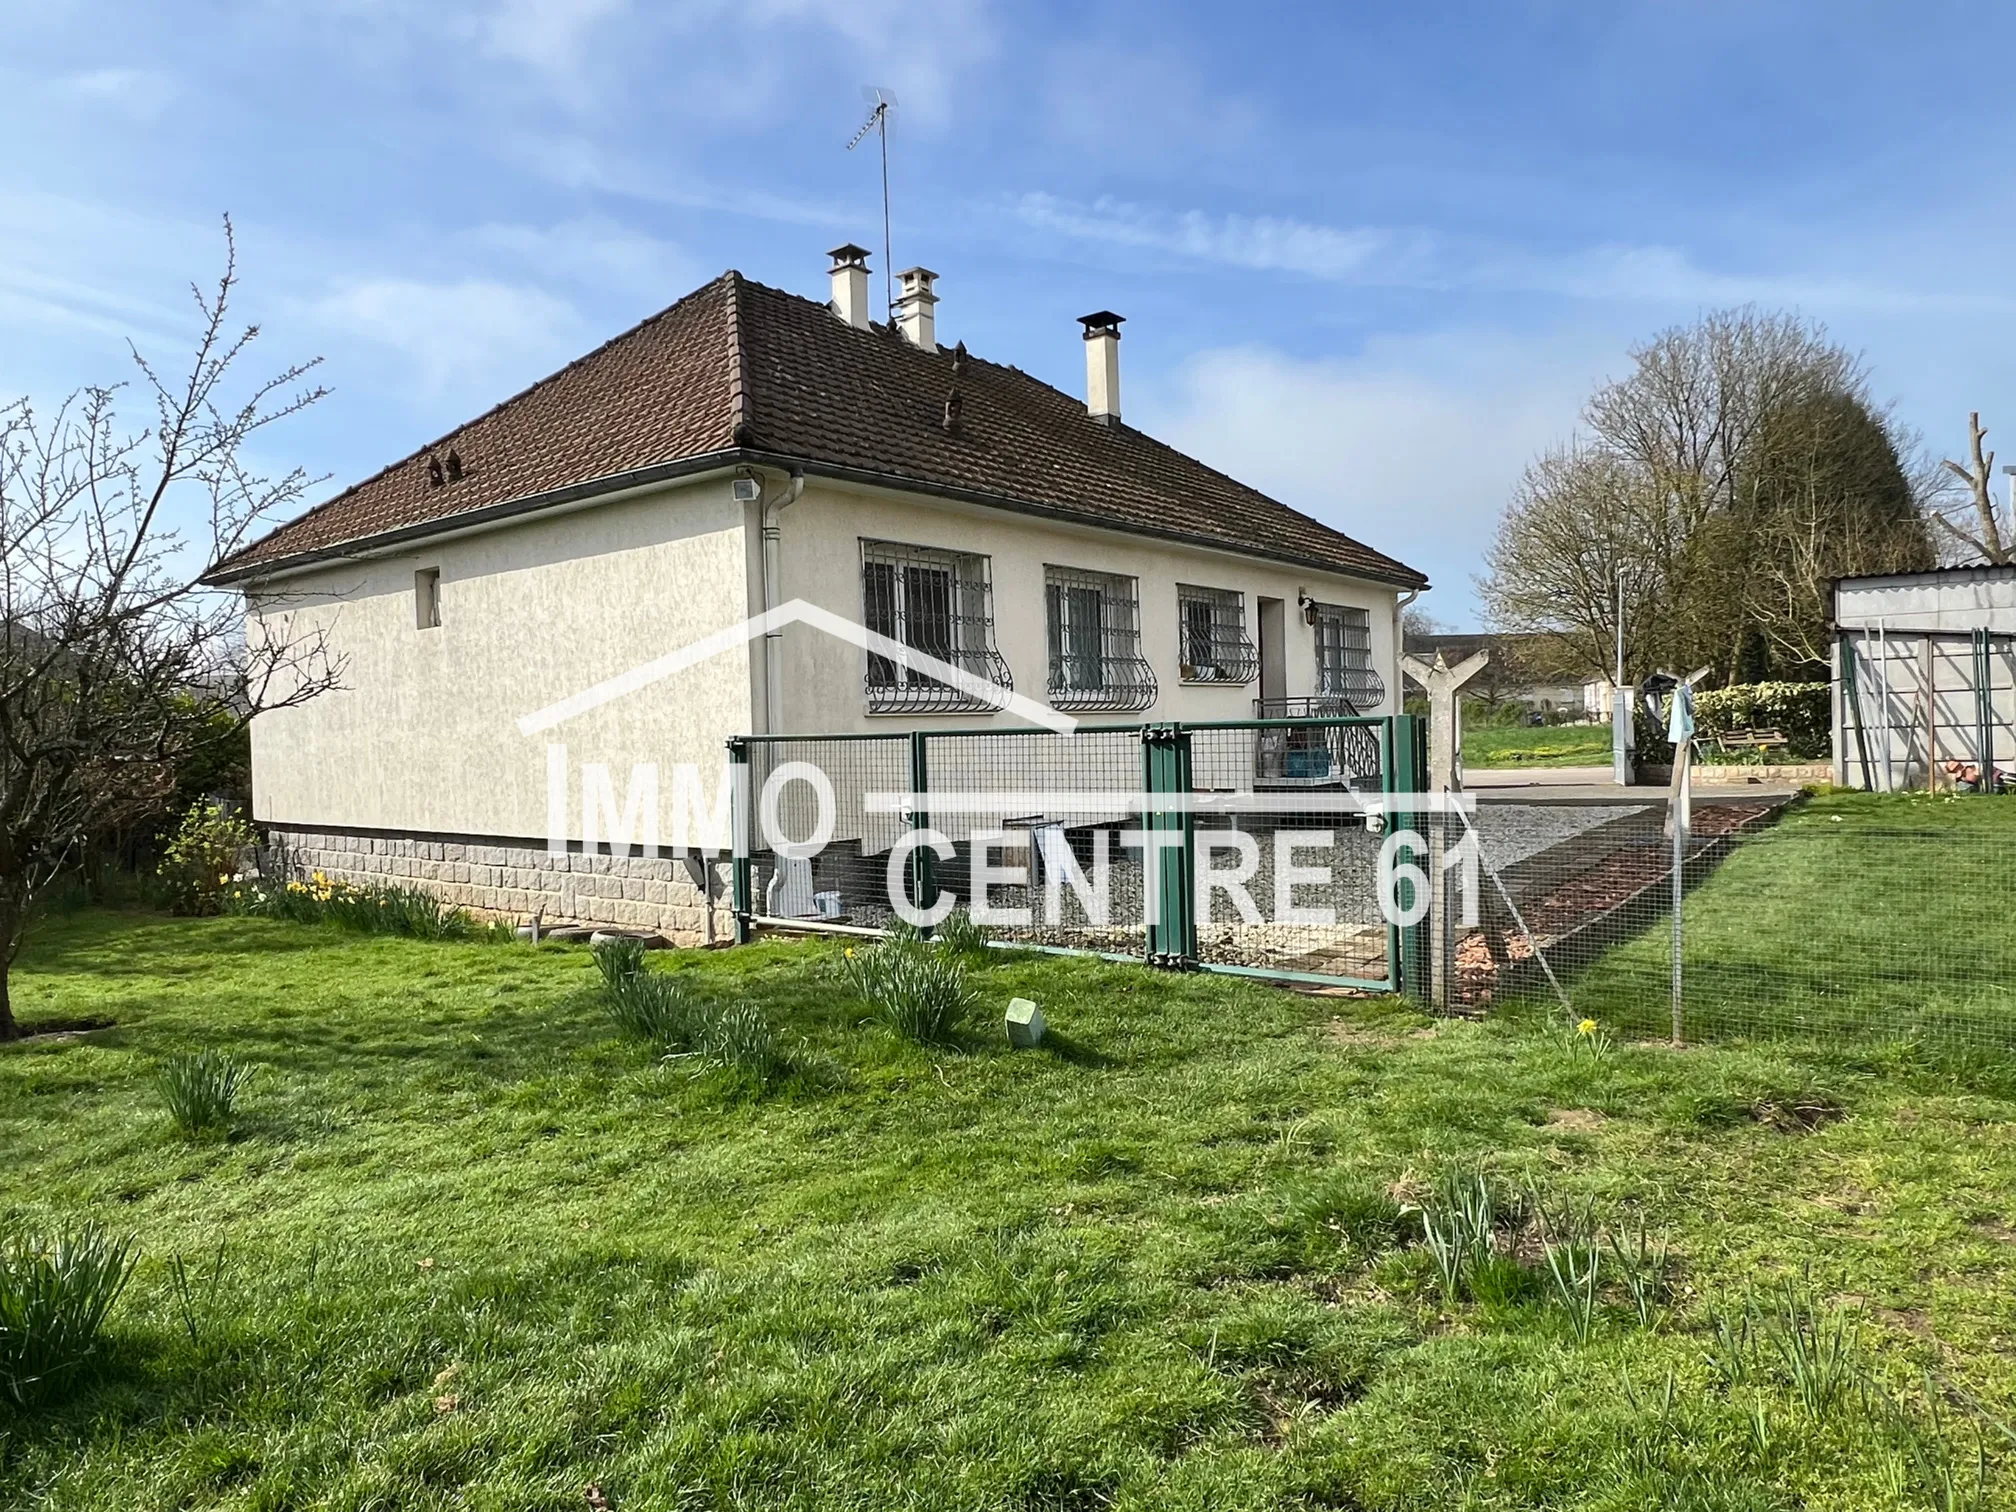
(933, 601)
(1211, 635)
(1094, 621)
(1344, 657)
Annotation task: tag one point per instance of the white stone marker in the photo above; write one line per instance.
(1025, 1024)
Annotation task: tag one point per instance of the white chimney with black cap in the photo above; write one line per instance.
(850, 284)
(913, 307)
(1102, 365)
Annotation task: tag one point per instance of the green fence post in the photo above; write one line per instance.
(1172, 928)
(923, 872)
(1984, 740)
(739, 800)
(1408, 944)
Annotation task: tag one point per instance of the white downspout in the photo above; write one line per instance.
(773, 639)
(1400, 647)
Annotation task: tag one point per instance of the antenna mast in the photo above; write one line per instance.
(878, 122)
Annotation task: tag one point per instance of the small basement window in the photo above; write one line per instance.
(427, 598)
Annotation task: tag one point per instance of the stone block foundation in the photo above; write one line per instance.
(513, 879)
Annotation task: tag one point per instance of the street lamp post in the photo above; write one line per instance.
(1621, 722)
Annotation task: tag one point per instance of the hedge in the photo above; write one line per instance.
(1802, 712)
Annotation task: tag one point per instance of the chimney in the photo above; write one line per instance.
(913, 307)
(1102, 365)
(850, 284)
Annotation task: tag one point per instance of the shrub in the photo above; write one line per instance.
(363, 907)
(54, 1295)
(738, 1039)
(1803, 712)
(201, 1090)
(645, 1005)
(959, 934)
(915, 988)
(618, 959)
(204, 859)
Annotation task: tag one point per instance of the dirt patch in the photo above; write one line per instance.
(1911, 1319)
(2001, 1233)
(1351, 1033)
(45, 1030)
(1796, 1115)
(1286, 1397)
(1576, 1120)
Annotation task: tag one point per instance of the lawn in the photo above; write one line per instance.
(1568, 745)
(468, 1249)
(1858, 915)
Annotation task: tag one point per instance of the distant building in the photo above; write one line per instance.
(1924, 674)
(1520, 672)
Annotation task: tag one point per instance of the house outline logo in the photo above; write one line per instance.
(983, 691)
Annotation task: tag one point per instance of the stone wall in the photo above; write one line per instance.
(514, 879)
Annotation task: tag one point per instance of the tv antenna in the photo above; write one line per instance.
(880, 102)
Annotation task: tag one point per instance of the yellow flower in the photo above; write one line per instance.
(850, 952)
(224, 881)
(1586, 1027)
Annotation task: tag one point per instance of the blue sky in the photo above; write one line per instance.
(1372, 257)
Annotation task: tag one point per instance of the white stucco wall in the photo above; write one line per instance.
(820, 553)
(423, 736)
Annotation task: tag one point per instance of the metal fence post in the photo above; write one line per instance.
(923, 872)
(739, 815)
(1172, 926)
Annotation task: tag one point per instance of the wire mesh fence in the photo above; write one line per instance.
(1796, 920)
(1284, 849)
(1089, 841)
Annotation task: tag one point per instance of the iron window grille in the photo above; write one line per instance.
(1094, 622)
(940, 603)
(1211, 631)
(1344, 658)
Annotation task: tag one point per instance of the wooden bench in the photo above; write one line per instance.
(1751, 740)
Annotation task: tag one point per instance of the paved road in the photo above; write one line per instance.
(1593, 785)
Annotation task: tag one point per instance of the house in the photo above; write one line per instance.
(1524, 670)
(746, 449)
(1924, 675)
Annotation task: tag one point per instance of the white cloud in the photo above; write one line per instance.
(1401, 257)
(549, 35)
(474, 340)
(597, 251)
(141, 93)
(1412, 446)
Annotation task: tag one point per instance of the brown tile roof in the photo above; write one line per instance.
(739, 371)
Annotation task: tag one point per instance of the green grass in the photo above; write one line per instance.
(1858, 915)
(1487, 746)
(468, 1247)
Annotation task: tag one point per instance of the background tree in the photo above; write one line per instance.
(1737, 468)
(118, 669)
(1972, 523)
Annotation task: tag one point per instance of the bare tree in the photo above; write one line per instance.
(1581, 517)
(1980, 529)
(114, 659)
(1690, 487)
